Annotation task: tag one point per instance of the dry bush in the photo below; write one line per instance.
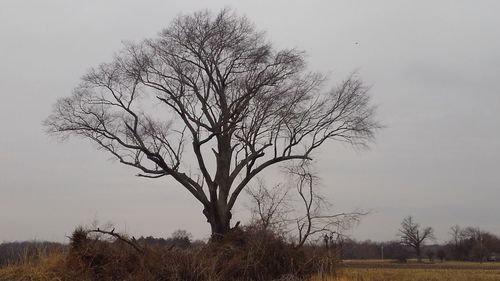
(102, 258)
(249, 253)
(252, 254)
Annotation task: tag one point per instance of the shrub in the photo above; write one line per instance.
(249, 253)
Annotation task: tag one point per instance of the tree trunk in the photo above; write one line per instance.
(219, 214)
(219, 219)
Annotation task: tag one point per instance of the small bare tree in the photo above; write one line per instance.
(304, 213)
(316, 218)
(414, 236)
(270, 206)
(212, 84)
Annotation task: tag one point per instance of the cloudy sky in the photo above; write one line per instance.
(434, 71)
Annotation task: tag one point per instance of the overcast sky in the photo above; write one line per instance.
(434, 71)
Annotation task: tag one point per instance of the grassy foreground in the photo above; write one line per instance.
(50, 269)
(246, 258)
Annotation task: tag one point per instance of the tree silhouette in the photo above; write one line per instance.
(413, 236)
(212, 104)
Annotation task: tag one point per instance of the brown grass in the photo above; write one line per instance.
(376, 270)
(413, 275)
(48, 267)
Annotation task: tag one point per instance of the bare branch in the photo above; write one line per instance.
(119, 237)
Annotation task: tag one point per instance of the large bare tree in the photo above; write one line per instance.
(212, 104)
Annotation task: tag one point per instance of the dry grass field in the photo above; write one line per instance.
(376, 270)
(48, 268)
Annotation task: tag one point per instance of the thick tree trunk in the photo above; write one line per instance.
(218, 213)
(219, 218)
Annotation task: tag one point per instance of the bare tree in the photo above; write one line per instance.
(316, 217)
(270, 206)
(457, 237)
(305, 212)
(414, 236)
(215, 85)
(456, 234)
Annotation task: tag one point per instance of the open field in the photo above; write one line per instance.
(412, 264)
(377, 270)
(406, 274)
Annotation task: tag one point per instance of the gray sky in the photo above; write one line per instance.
(434, 68)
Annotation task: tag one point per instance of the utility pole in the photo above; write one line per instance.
(382, 251)
(480, 247)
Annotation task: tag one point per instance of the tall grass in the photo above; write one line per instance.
(14, 253)
(47, 266)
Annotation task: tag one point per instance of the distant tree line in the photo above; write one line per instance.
(464, 244)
